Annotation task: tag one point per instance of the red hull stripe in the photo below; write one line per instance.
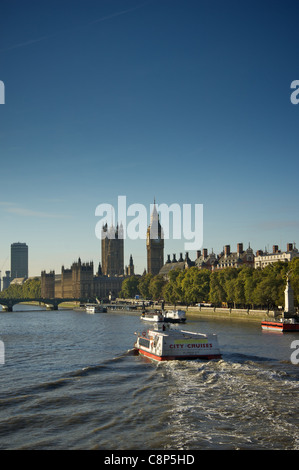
(171, 358)
(280, 326)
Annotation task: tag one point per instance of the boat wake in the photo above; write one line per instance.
(218, 404)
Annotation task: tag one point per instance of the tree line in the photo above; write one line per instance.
(31, 289)
(243, 287)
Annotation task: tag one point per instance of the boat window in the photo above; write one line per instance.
(144, 342)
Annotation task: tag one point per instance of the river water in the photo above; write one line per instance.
(71, 381)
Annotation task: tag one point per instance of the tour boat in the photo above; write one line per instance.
(152, 317)
(284, 324)
(95, 308)
(174, 316)
(165, 344)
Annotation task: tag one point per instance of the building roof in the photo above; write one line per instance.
(19, 281)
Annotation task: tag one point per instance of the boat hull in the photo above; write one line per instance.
(177, 358)
(177, 345)
(174, 320)
(151, 319)
(279, 326)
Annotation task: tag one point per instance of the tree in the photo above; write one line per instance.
(196, 285)
(172, 291)
(156, 286)
(129, 287)
(31, 289)
(269, 290)
(217, 293)
(143, 285)
(294, 278)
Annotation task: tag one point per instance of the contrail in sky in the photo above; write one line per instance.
(99, 20)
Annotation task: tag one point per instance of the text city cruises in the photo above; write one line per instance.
(164, 344)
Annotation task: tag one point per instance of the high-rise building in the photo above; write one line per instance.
(6, 280)
(155, 244)
(112, 251)
(18, 260)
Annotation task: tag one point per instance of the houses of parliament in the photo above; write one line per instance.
(80, 282)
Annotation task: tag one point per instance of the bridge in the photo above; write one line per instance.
(7, 304)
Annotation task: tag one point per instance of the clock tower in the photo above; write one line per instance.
(154, 244)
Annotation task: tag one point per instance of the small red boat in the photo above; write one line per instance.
(284, 324)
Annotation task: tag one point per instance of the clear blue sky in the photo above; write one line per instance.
(187, 101)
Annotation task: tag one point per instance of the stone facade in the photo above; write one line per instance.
(210, 261)
(236, 259)
(79, 282)
(112, 251)
(155, 244)
(263, 259)
(181, 264)
(129, 270)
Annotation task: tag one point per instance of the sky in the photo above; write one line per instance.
(184, 101)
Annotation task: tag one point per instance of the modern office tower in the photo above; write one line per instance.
(18, 260)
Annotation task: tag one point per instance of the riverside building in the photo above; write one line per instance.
(263, 259)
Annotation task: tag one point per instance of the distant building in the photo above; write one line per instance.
(79, 282)
(263, 259)
(210, 261)
(228, 259)
(112, 251)
(6, 280)
(205, 260)
(129, 270)
(154, 244)
(19, 260)
(172, 264)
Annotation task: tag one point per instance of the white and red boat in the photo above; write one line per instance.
(284, 324)
(174, 316)
(165, 344)
(152, 317)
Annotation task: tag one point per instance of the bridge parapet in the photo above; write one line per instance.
(8, 304)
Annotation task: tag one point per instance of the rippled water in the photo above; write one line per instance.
(70, 381)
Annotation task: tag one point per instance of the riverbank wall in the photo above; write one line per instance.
(231, 313)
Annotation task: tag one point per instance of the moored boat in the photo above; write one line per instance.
(284, 324)
(174, 316)
(164, 344)
(95, 308)
(152, 317)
